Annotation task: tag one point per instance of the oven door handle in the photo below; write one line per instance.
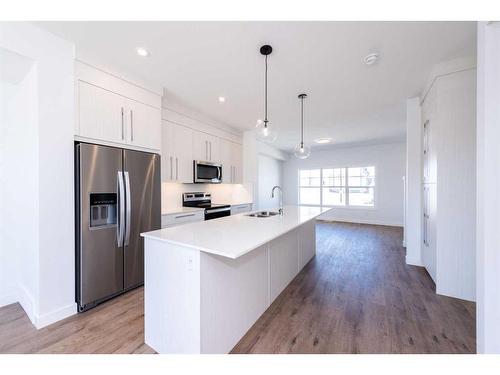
(215, 210)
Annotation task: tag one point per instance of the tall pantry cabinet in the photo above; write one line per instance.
(448, 183)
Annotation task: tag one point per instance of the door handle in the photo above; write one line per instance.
(210, 150)
(131, 126)
(123, 134)
(121, 209)
(171, 167)
(127, 207)
(206, 150)
(176, 168)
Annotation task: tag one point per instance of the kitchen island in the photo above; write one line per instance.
(206, 283)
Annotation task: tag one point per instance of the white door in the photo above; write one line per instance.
(200, 146)
(183, 153)
(144, 125)
(167, 135)
(101, 113)
(237, 156)
(226, 155)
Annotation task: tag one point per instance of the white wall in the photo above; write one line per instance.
(413, 182)
(488, 186)
(389, 161)
(52, 166)
(252, 150)
(18, 182)
(270, 175)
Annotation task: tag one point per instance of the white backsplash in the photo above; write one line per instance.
(171, 193)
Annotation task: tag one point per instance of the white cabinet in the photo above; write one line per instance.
(176, 219)
(144, 125)
(232, 161)
(109, 117)
(240, 208)
(177, 153)
(101, 113)
(205, 147)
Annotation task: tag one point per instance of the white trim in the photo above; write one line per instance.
(363, 221)
(413, 261)
(96, 141)
(27, 302)
(55, 315)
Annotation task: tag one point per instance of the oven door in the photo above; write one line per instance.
(207, 172)
(214, 213)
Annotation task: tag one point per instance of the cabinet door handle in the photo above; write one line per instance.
(131, 125)
(123, 135)
(210, 150)
(176, 168)
(181, 216)
(206, 150)
(171, 168)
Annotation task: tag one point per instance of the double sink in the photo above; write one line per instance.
(263, 214)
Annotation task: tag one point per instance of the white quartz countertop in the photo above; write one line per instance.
(234, 236)
(180, 210)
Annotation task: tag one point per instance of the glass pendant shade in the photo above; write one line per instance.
(302, 151)
(262, 131)
(265, 133)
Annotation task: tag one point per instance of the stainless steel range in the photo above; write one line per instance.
(204, 200)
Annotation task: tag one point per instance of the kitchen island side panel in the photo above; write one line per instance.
(234, 294)
(171, 298)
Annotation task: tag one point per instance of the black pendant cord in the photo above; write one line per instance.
(265, 96)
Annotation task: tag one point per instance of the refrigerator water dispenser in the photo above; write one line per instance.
(102, 210)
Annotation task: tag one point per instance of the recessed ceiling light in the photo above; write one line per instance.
(371, 59)
(142, 52)
(323, 140)
(222, 99)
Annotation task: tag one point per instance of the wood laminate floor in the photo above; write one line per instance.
(356, 296)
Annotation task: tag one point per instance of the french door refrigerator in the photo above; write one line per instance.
(117, 198)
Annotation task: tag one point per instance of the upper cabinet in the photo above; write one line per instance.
(116, 112)
(429, 138)
(232, 162)
(177, 153)
(144, 125)
(206, 147)
(101, 113)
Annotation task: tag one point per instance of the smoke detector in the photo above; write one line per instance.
(371, 58)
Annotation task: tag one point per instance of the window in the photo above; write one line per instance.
(348, 186)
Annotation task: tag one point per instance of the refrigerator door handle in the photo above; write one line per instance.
(127, 207)
(121, 207)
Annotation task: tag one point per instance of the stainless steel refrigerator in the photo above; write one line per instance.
(117, 197)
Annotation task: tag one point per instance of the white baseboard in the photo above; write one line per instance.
(414, 262)
(55, 315)
(364, 221)
(25, 299)
(27, 302)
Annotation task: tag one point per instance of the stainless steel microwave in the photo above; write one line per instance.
(207, 172)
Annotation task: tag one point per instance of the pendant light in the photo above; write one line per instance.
(302, 151)
(263, 131)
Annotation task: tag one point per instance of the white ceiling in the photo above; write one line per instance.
(349, 101)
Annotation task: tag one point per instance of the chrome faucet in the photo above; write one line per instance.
(281, 198)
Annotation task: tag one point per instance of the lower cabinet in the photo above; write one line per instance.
(240, 208)
(173, 220)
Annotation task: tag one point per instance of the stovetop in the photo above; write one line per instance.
(200, 200)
